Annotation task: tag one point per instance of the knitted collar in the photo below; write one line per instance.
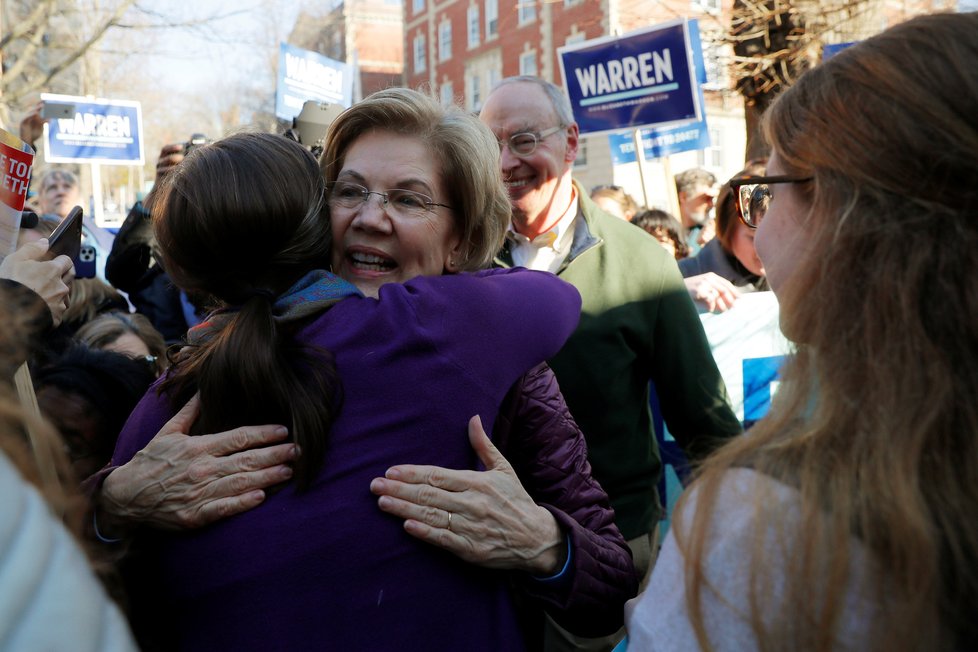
(313, 293)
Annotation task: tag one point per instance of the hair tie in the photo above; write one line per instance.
(264, 293)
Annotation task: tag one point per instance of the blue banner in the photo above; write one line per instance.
(305, 75)
(643, 79)
(658, 142)
(96, 131)
(831, 49)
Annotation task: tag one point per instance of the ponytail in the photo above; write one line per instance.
(252, 371)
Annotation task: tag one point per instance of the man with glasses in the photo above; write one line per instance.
(637, 323)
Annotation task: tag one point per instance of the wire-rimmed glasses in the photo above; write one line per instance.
(753, 194)
(399, 202)
(525, 143)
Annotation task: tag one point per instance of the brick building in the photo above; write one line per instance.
(368, 33)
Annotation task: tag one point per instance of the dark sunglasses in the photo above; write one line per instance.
(753, 194)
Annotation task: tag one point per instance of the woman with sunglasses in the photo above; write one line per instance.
(728, 264)
(848, 517)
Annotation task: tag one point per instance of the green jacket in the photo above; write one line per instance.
(637, 324)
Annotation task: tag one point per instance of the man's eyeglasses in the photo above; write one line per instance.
(753, 194)
(400, 203)
(524, 144)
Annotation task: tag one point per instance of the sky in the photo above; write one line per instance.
(193, 57)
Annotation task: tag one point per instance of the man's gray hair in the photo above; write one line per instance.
(54, 175)
(557, 98)
(687, 180)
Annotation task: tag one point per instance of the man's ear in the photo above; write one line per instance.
(573, 138)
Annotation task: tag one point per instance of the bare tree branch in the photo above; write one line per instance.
(37, 17)
(42, 81)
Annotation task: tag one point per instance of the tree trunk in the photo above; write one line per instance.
(757, 145)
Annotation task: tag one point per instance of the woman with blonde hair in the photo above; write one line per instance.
(848, 518)
(128, 333)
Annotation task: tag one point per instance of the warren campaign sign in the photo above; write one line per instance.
(642, 79)
(306, 75)
(662, 141)
(96, 131)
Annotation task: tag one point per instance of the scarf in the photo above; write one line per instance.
(313, 293)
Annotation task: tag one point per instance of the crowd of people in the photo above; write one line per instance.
(399, 397)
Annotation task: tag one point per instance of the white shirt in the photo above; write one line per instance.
(548, 251)
(658, 618)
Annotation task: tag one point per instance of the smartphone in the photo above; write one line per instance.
(66, 238)
(85, 264)
(53, 110)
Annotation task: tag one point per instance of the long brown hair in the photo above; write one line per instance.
(875, 422)
(242, 219)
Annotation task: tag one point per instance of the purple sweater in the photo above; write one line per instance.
(327, 569)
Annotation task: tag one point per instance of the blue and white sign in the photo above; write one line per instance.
(305, 75)
(663, 141)
(642, 79)
(748, 347)
(97, 131)
(660, 142)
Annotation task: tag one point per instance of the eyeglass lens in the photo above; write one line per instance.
(754, 200)
(404, 203)
(523, 144)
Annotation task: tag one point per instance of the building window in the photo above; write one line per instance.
(472, 18)
(715, 159)
(445, 41)
(492, 18)
(417, 6)
(475, 93)
(581, 160)
(712, 156)
(571, 3)
(447, 94)
(419, 54)
(576, 37)
(715, 78)
(528, 63)
(495, 74)
(528, 10)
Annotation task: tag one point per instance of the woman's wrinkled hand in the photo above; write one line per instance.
(180, 482)
(484, 517)
(713, 291)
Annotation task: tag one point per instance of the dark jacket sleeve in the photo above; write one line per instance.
(539, 437)
(129, 261)
(26, 320)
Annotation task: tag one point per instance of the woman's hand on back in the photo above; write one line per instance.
(179, 481)
(484, 517)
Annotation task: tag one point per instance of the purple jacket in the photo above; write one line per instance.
(326, 569)
(539, 437)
